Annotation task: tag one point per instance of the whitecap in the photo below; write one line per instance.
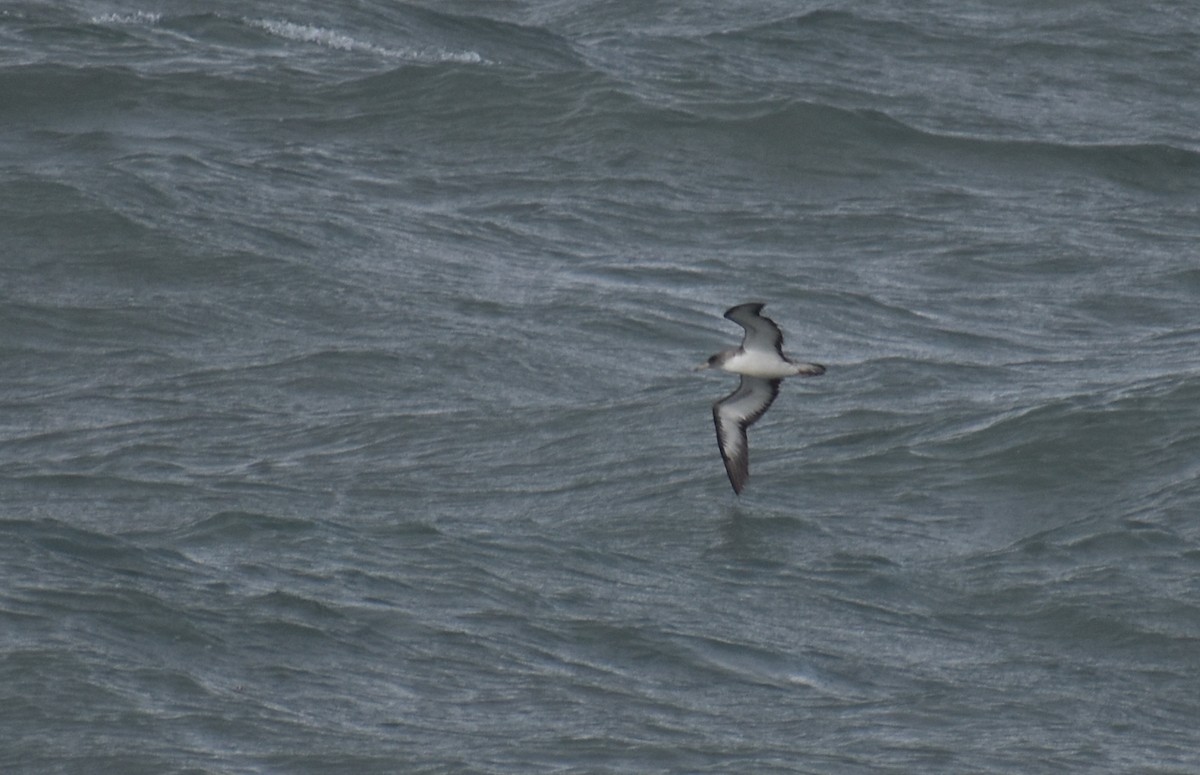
(307, 33)
(137, 17)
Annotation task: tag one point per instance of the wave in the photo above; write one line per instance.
(136, 17)
(333, 39)
(792, 129)
(1063, 442)
(300, 32)
(442, 38)
(821, 20)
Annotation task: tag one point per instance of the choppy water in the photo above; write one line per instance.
(346, 420)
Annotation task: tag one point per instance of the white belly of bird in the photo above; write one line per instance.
(754, 363)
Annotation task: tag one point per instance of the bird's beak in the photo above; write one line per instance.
(703, 366)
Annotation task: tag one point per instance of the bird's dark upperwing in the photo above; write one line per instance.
(761, 332)
(732, 415)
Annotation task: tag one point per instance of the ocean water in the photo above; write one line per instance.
(347, 422)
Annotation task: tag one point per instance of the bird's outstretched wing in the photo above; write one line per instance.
(732, 415)
(761, 332)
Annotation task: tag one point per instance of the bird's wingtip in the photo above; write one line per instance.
(754, 307)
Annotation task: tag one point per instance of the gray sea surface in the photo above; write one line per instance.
(347, 422)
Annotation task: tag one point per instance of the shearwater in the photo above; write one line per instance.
(761, 363)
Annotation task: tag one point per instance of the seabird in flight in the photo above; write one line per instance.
(761, 363)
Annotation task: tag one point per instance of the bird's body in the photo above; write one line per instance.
(755, 363)
(762, 365)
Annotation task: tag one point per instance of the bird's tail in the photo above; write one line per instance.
(809, 369)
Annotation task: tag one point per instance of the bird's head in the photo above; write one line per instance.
(714, 362)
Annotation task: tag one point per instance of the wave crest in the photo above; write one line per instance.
(307, 33)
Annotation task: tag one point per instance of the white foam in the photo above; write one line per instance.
(307, 33)
(137, 17)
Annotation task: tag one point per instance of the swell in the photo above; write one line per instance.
(788, 129)
(1094, 422)
(572, 99)
(789, 29)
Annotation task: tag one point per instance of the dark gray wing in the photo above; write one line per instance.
(761, 332)
(732, 415)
